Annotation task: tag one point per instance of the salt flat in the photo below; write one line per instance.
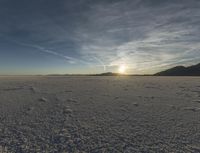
(100, 114)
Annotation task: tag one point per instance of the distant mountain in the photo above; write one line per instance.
(193, 70)
(107, 74)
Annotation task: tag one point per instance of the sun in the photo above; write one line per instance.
(122, 69)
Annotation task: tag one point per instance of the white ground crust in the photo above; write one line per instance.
(100, 114)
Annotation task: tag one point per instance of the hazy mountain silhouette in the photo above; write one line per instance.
(193, 70)
(108, 74)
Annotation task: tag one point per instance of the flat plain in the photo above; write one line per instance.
(90, 114)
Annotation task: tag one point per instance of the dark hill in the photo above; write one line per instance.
(193, 70)
(107, 74)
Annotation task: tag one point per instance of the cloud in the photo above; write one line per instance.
(69, 59)
(147, 35)
(142, 35)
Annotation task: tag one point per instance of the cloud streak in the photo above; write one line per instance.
(146, 35)
(137, 35)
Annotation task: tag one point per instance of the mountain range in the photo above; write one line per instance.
(193, 70)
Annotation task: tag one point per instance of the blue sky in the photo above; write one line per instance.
(94, 36)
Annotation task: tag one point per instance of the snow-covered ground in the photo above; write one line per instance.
(100, 114)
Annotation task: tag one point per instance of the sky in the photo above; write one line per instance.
(96, 36)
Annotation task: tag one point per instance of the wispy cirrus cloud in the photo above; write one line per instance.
(146, 35)
(142, 35)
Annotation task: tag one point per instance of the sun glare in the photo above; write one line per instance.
(122, 69)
